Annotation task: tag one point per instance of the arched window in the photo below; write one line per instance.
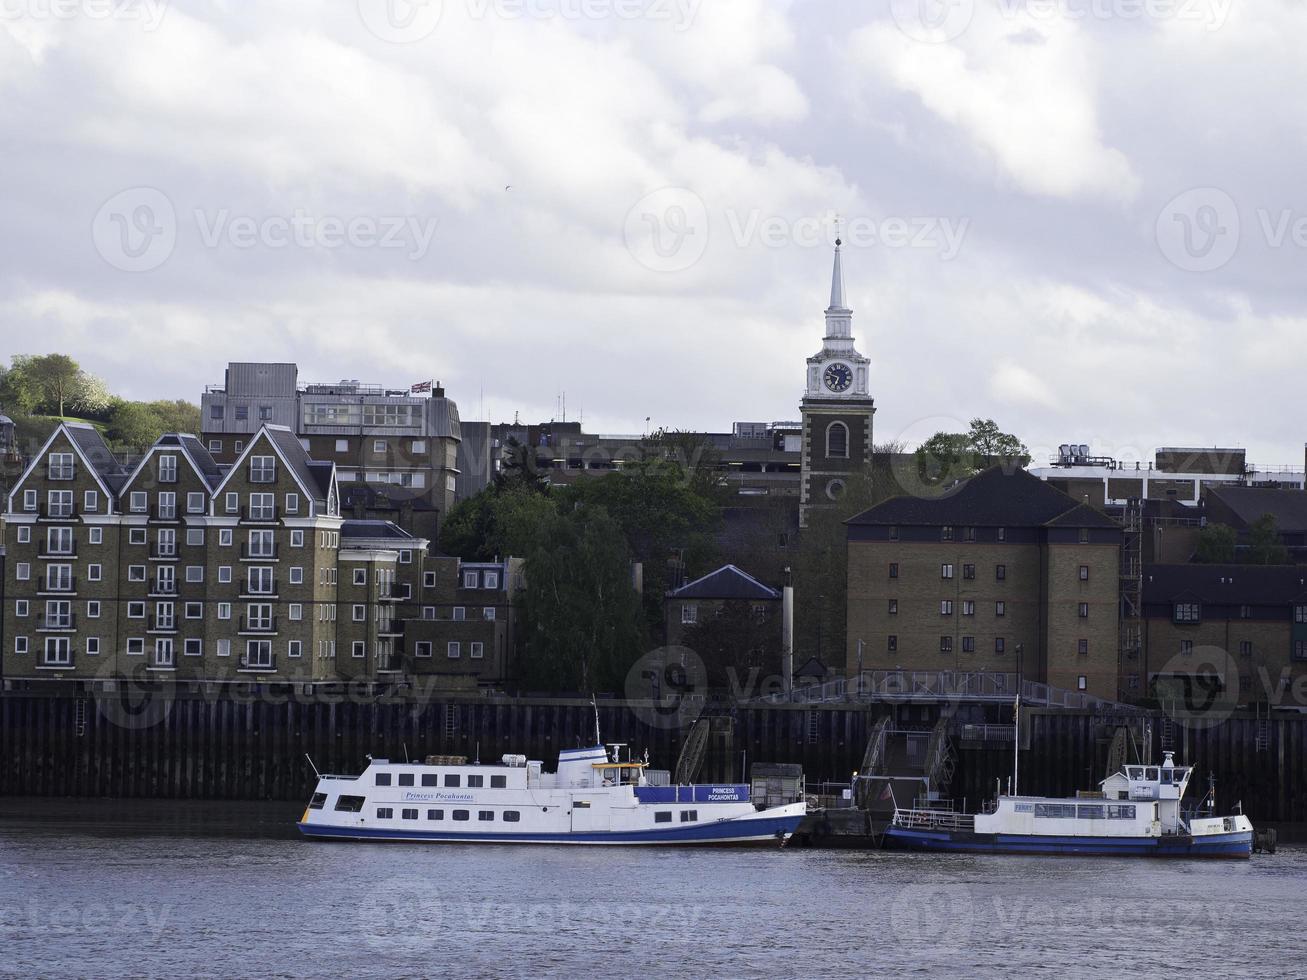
(837, 441)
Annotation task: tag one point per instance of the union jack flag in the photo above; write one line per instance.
(420, 386)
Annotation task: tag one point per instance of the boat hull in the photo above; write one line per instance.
(1238, 844)
(759, 831)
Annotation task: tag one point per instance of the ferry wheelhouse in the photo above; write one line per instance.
(1137, 812)
(593, 798)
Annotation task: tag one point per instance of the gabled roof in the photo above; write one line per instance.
(1254, 585)
(90, 447)
(992, 498)
(728, 582)
(312, 479)
(191, 449)
(1288, 507)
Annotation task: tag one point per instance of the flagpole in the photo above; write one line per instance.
(1016, 742)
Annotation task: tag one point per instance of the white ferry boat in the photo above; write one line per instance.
(593, 798)
(1137, 812)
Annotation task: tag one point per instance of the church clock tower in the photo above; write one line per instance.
(837, 408)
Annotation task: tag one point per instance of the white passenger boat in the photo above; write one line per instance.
(593, 798)
(1137, 812)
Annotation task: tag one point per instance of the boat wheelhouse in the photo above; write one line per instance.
(594, 797)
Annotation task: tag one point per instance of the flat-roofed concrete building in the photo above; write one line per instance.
(399, 445)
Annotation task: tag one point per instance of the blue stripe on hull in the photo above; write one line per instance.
(1236, 845)
(730, 831)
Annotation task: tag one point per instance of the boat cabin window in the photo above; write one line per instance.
(499, 782)
(430, 779)
(1180, 774)
(512, 816)
(385, 813)
(318, 800)
(689, 815)
(351, 804)
(435, 814)
(475, 781)
(461, 815)
(451, 780)
(485, 814)
(1055, 809)
(1091, 812)
(1136, 772)
(663, 816)
(1121, 812)
(406, 779)
(409, 814)
(383, 779)
(1151, 774)
(1166, 776)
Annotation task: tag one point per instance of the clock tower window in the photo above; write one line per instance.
(837, 441)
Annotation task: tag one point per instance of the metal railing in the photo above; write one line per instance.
(970, 685)
(988, 733)
(252, 554)
(161, 587)
(66, 584)
(935, 820)
(268, 663)
(264, 514)
(48, 624)
(258, 625)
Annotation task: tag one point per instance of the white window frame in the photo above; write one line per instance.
(476, 650)
(167, 468)
(422, 649)
(95, 535)
(138, 502)
(224, 610)
(24, 534)
(92, 608)
(29, 500)
(196, 503)
(194, 573)
(224, 574)
(297, 538)
(488, 613)
(292, 503)
(453, 650)
(136, 573)
(296, 575)
(359, 613)
(90, 501)
(94, 572)
(92, 646)
(359, 650)
(192, 644)
(295, 612)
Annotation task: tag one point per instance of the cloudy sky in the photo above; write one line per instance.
(1083, 218)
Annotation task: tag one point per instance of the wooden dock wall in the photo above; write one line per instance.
(198, 748)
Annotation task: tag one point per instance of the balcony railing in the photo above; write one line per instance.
(256, 554)
(248, 625)
(248, 593)
(161, 624)
(256, 663)
(67, 584)
(56, 662)
(389, 663)
(48, 513)
(54, 624)
(260, 514)
(163, 586)
(394, 628)
(163, 551)
(56, 555)
(159, 513)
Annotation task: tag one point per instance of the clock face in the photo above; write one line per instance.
(838, 377)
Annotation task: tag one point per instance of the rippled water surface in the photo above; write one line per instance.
(172, 889)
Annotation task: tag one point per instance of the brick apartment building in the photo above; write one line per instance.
(192, 570)
(1249, 620)
(1003, 574)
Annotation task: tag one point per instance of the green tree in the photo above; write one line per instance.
(18, 394)
(92, 399)
(1216, 544)
(1264, 544)
(950, 456)
(582, 616)
(57, 377)
(501, 520)
(176, 415)
(134, 425)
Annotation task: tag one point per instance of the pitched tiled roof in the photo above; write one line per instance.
(298, 459)
(1264, 585)
(374, 529)
(1288, 507)
(728, 582)
(97, 453)
(992, 498)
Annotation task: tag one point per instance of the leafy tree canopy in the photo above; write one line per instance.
(1264, 544)
(949, 456)
(1216, 544)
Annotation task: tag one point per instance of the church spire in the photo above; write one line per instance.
(837, 281)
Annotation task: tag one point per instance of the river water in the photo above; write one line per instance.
(186, 889)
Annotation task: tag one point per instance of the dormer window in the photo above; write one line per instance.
(61, 466)
(167, 469)
(263, 469)
(1187, 612)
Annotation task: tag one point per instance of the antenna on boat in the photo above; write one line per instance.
(594, 704)
(312, 766)
(1016, 741)
(405, 745)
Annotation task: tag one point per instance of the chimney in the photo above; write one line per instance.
(787, 640)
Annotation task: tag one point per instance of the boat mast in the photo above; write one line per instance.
(1016, 741)
(595, 705)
